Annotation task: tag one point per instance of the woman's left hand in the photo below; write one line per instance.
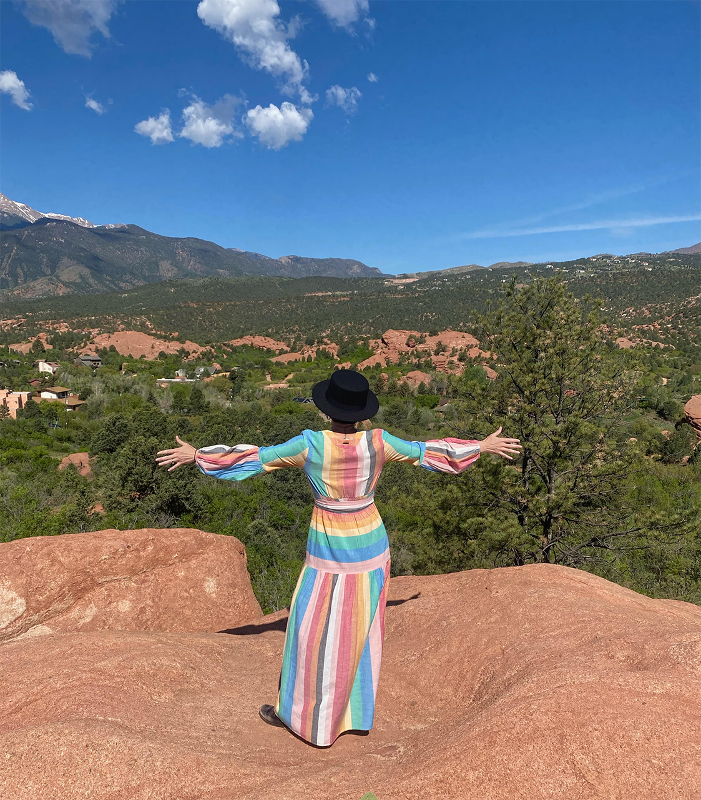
(185, 454)
(501, 445)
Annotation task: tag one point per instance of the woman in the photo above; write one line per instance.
(333, 645)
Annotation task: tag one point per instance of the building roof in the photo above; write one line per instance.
(56, 389)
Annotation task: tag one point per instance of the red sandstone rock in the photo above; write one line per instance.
(393, 343)
(525, 683)
(692, 410)
(137, 344)
(415, 378)
(262, 342)
(81, 461)
(151, 580)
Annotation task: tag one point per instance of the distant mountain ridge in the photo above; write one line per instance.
(54, 257)
(15, 215)
(695, 248)
(466, 268)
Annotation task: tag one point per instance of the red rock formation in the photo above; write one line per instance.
(81, 461)
(262, 342)
(415, 378)
(393, 343)
(137, 344)
(522, 683)
(25, 347)
(692, 410)
(151, 580)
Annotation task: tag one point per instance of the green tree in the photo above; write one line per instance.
(237, 378)
(198, 405)
(38, 346)
(563, 390)
(113, 433)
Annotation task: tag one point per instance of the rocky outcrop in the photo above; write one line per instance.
(692, 411)
(149, 580)
(393, 344)
(415, 378)
(81, 461)
(137, 344)
(262, 342)
(520, 683)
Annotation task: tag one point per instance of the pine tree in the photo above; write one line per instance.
(562, 389)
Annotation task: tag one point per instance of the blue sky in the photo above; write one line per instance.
(487, 131)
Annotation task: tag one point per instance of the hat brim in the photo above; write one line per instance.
(341, 413)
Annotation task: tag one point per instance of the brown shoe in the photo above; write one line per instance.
(267, 714)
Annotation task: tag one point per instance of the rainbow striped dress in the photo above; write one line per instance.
(333, 646)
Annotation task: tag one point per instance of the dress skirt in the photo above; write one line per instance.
(333, 647)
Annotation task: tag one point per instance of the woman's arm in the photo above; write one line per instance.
(235, 463)
(448, 455)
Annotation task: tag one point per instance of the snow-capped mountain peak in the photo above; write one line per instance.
(17, 215)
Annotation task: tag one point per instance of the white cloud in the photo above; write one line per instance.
(615, 225)
(12, 85)
(347, 99)
(253, 26)
(372, 77)
(344, 12)
(72, 22)
(210, 125)
(275, 127)
(158, 129)
(98, 108)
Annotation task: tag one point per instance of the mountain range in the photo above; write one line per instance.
(47, 254)
(18, 215)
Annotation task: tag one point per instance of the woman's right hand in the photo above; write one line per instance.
(177, 456)
(500, 445)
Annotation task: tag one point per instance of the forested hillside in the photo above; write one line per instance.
(608, 481)
(661, 292)
(55, 257)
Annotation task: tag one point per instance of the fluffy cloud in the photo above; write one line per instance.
(98, 108)
(372, 77)
(210, 125)
(253, 26)
(275, 127)
(347, 99)
(72, 22)
(158, 129)
(344, 12)
(12, 85)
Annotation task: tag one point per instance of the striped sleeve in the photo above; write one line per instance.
(292, 453)
(450, 455)
(230, 463)
(246, 461)
(400, 450)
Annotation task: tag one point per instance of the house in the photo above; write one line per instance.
(55, 393)
(73, 402)
(59, 394)
(200, 371)
(88, 360)
(51, 367)
(14, 401)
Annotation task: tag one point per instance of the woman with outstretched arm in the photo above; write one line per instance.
(333, 645)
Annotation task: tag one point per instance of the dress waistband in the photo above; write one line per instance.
(344, 505)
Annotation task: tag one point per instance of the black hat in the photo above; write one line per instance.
(346, 396)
